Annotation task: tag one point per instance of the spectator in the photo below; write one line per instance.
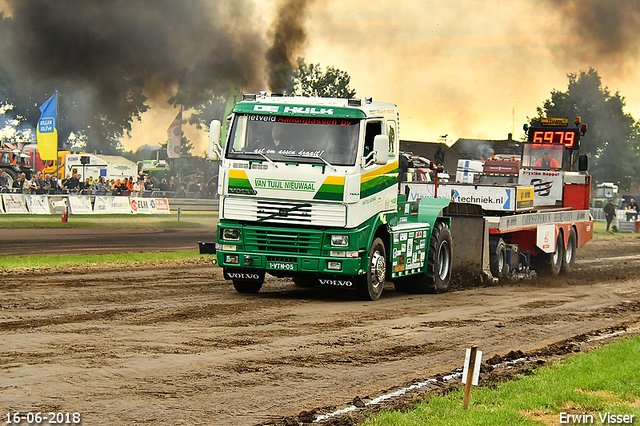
(32, 186)
(194, 185)
(46, 183)
(164, 186)
(172, 184)
(180, 193)
(99, 186)
(609, 214)
(138, 188)
(148, 184)
(632, 210)
(54, 185)
(73, 183)
(18, 184)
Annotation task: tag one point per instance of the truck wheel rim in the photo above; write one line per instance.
(569, 253)
(378, 269)
(443, 260)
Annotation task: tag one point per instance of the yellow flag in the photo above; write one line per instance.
(47, 131)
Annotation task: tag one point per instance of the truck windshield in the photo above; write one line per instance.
(287, 138)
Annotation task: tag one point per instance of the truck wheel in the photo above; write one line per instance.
(498, 258)
(438, 275)
(570, 252)
(11, 177)
(307, 282)
(370, 285)
(249, 286)
(551, 263)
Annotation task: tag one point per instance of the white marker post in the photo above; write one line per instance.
(471, 372)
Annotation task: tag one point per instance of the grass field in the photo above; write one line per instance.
(187, 219)
(588, 386)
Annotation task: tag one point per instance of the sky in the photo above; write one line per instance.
(460, 68)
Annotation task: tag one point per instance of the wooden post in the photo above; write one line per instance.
(467, 387)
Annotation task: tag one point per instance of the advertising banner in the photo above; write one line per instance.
(547, 186)
(80, 205)
(120, 205)
(38, 204)
(490, 197)
(102, 205)
(160, 206)
(141, 205)
(1, 207)
(14, 203)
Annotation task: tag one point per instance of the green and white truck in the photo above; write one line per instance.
(310, 189)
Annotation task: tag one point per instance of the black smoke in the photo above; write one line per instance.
(288, 37)
(608, 29)
(107, 57)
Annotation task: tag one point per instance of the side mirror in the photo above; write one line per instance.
(381, 149)
(583, 162)
(215, 149)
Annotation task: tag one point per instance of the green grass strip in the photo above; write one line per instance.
(606, 380)
(15, 263)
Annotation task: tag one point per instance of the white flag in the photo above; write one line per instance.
(174, 137)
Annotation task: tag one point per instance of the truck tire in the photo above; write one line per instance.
(11, 176)
(551, 263)
(498, 258)
(439, 259)
(307, 282)
(570, 252)
(370, 285)
(247, 286)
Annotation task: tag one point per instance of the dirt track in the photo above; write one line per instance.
(175, 344)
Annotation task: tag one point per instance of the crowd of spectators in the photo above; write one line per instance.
(142, 186)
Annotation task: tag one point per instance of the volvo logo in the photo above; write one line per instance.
(241, 276)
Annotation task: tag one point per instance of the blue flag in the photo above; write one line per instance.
(47, 131)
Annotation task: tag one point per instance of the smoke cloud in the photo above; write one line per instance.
(107, 58)
(289, 36)
(608, 28)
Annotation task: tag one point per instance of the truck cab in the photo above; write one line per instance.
(309, 189)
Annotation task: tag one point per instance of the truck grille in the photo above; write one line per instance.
(252, 209)
(273, 240)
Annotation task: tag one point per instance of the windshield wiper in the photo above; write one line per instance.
(284, 212)
(257, 153)
(319, 157)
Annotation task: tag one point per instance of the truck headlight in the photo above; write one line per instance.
(231, 234)
(339, 240)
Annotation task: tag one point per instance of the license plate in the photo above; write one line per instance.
(282, 266)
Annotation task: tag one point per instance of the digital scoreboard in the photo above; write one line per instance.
(567, 136)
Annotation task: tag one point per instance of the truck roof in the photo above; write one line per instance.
(307, 106)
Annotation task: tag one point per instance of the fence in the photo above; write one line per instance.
(81, 204)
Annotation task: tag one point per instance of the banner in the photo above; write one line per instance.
(38, 204)
(120, 205)
(174, 137)
(140, 205)
(14, 203)
(102, 204)
(47, 130)
(1, 206)
(160, 206)
(80, 205)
